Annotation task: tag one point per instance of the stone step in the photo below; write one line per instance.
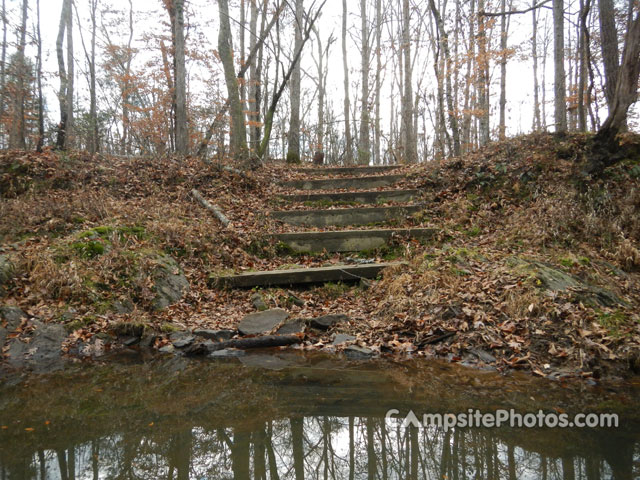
(375, 196)
(300, 276)
(348, 240)
(368, 170)
(344, 216)
(354, 183)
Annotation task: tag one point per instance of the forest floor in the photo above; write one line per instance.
(534, 267)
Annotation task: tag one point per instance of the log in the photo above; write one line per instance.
(211, 207)
(265, 341)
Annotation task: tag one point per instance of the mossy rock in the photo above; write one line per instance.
(170, 284)
(128, 329)
(550, 278)
(90, 248)
(7, 271)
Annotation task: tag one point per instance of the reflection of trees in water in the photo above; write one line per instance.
(329, 448)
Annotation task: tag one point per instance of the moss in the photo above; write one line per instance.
(168, 328)
(293, 157)
(79, 323)
(333, 290)
(88, 249)
(473, 232)
(618, 322)
(128, 329)
(387, 252)
(106, 231)
(284, 249)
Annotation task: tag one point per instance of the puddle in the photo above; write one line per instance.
(294, 416)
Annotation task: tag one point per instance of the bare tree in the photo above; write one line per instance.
(560, 103)
(409, 140)
(3, 60)
(606, 150)
(347, 102)
(378, 82)
(364, 144)
(238, 135)
(65, 85)
(483, 76)
(609, 46)
(537, 122)
(293, 140)
(182, 130)
(17, 131)
(40, 141)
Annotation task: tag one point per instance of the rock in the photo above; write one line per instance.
(13, 316)
(355, 352)
(227, 353)
(167, 349)
(128, 329)
(215, 335)
(43, 352)
(129, 341)
(170, 284)
(327, 321)
(486, 357)
(262, 322)
(181, 339)
(292, 327)
(7, 270)
(258, 302)
(147, 341)
(342, 338)
(295, 299)
(267, 361)
(556, 280)
(123, 305)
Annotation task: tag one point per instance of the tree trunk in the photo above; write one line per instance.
(62, 73)
(606, 151)
(467, 117)
(238, 134)
(3, 65)
(268, 122)
(254, 78)
(70, 77)
(448, 73)
(483, 77)
(182, 131)
(40, 141)
(347, 102)
(17, 131)
(609, 45)
(378, 82)
(537, 122)
(582, 65)
(504, 29)
(293, 139)
(410, 153)
(297, 444)
(364, 144)
(560, 103)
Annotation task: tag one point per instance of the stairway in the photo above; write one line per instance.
(356, 185)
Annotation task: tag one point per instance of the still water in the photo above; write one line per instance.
(293, 416)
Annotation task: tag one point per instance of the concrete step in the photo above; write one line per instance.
(344, 216)
(300, 276)
(369, 170)
(348, 240)
(354, 183)
(359, 197)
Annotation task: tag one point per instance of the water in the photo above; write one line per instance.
(290, 416)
